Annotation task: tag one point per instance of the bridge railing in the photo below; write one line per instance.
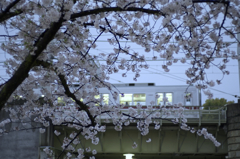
(213, 114)
(194, 114)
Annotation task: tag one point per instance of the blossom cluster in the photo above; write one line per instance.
(54, 68)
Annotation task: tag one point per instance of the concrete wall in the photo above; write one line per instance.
(18, 144)
(233, 125)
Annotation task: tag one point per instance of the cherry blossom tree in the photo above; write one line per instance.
(51, 47)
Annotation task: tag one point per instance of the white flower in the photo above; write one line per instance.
(124, 75)
(183, 60)
(46, 2)
(73, 135)
(169, 63)
(80, 153)
(211, 83)
(41, 130)
(148, 140)
(154, 58)
(165, 99)
(69, 155)
(218, 82)
(76, 141)
(118, 127)
(57, 133)
(95, 140)
(157, 126)
(134, 145)
(192, 130)
(94, 152)
(184, 120)
(46, 123)
(175, 60)
(213, 36)
(180, 104)
(4, 122)
(48, 151)
(88, 149)
(217, 144)
(208, 93)
(127, 123)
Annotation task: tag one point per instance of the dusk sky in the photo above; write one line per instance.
(155, 73)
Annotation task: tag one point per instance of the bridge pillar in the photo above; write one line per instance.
(233, 127)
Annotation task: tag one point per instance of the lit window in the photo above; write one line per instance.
(60, 101)
(105, 98)
(188, 98)
(139, 98)
(97, 97)
(162, 95)
(126, 99)
(160, 99)
(169, 96)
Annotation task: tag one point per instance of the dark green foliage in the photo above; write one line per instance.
(215, 103)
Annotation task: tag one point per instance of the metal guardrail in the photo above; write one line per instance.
(214, 115)
(194, 114)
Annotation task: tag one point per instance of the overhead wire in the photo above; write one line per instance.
(236, 96)
(182, 79)
(168, 75)
(174, 76)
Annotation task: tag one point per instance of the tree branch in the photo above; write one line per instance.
(211, 1)
(115, 9)
(6, 14)
(22, 72)
(71, 95)
(67, 90)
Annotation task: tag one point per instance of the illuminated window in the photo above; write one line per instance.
(105, 98)
(97, 97)
(126, 99)
(139, 98)
(160, 99)
(169, 96)
(162, 95)
(132, 99)
(188, 99)
(60, 101)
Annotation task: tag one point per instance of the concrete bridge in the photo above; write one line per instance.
(167, 142)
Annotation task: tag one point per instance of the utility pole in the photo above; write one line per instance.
(200, 97)
(238, 52)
